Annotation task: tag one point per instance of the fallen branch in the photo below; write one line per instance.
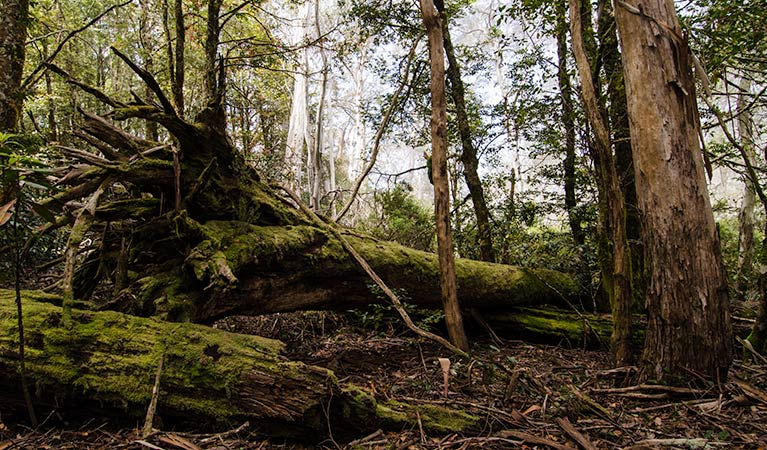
(568, 428)
(372, 274)
(532, 439)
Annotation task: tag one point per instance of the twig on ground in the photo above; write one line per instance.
(532, 439)
(582, 440)
(150, 411)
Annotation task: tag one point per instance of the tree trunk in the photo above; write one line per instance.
(746, 215)
(568, 121)
(620, 296)
(175, 59)
(280, 269)
(210, 85)
(453, 319)
(688, 328)
(14, 16)
(469, 152)
(299, 137)
(621, 139)
(315, 159)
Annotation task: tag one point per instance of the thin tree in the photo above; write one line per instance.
(617, 114)
(688, 330)
(176, 61)
(620, 295)
(568, 121)
(469, 157)
(453, 318)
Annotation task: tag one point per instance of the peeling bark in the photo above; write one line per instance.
(689, 327)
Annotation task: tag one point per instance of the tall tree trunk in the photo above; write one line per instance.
(746, 215)
(688, 329)
(210, 86)
(621, 138)
(469, 152)
(316, 151)
(147, 48)
(299, 139)
(453, 319)
(14, 15)
(178, 76)
(620, 296)
(602, 236)
(568, 121)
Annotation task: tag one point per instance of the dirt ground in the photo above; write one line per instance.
(529, 396)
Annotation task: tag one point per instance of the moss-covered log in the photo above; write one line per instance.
(252, 270)
(557, 326)
(208, 374)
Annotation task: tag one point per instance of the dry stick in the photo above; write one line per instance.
(150, 411)
(575, 434)
(532, 439)
(652, 387)
(225, 433)
(746, 343)
(380, 132)
(677, 442)
(81, 226)
(374, 276)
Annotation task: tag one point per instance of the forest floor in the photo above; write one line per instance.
(529, 396)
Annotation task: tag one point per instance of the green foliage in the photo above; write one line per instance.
(401, 218)
(376, 315)
(727, 227)
(729, 34)
(24, 182)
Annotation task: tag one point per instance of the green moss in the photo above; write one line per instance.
(433, 417)
(366, 411)
(112, 357)
(550, 322)
(556, 325)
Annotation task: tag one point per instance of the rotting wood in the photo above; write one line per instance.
(208, 374)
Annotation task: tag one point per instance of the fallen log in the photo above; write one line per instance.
(210, 376)
(556, 326)
(282, 269)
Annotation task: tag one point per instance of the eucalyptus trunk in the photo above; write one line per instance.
(688, 330)
(746, 215)
(620, 295)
